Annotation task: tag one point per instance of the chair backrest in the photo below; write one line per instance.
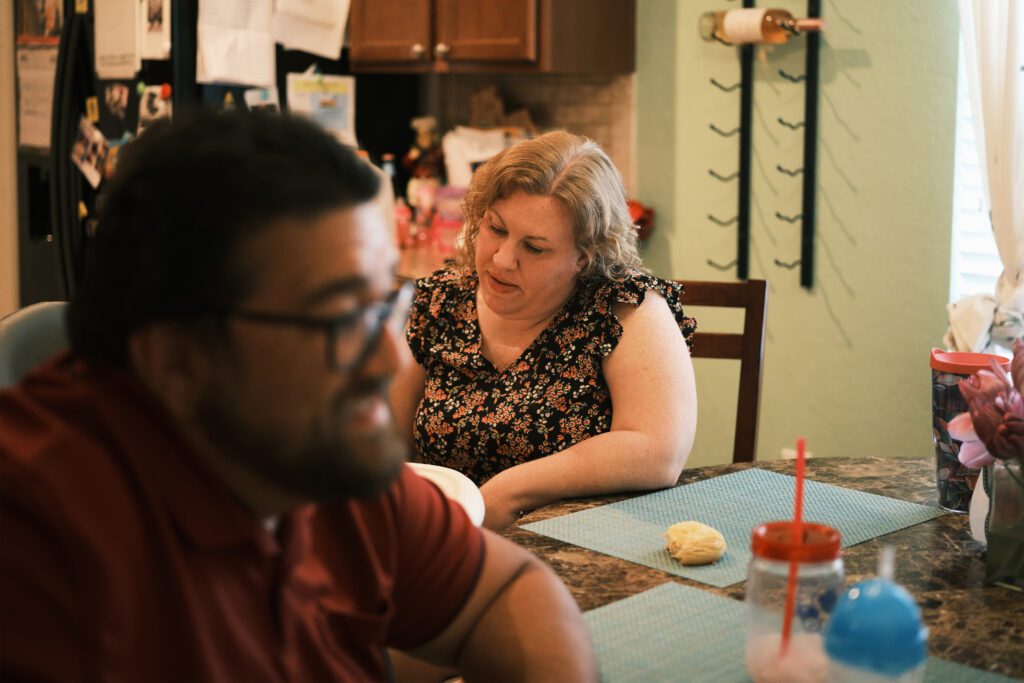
(747, 347)
(29, 336)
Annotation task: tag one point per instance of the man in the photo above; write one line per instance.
(209, 486)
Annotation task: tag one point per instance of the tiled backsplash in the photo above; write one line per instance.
(600, 107)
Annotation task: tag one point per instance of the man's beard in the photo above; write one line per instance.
(329, 464)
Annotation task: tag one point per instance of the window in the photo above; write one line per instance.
(975, 266)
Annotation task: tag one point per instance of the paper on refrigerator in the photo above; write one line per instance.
(328, 100)
(234, 43)
(155, 29)
(116, 33)
(38, 22)
(315, 26)
(37, 67)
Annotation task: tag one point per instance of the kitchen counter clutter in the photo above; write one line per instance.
(422, 259)
(937, 561)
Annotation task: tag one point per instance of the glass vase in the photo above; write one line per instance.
(1004, 562)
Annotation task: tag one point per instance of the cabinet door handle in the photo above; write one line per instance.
(441, 51)
(417, 51)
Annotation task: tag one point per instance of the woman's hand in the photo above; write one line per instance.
(503, 505)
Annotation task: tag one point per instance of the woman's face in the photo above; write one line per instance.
(526, 256)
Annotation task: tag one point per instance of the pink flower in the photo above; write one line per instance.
(1008, 441)
(1017, 366)
(984, 385)
(994, 426)
(972, 451)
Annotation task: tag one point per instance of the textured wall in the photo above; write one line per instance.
(846, 363)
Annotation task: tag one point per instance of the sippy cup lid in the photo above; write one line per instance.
(877, 626)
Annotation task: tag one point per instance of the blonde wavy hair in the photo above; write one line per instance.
(577, 172)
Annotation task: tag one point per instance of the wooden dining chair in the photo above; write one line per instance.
(747, 347)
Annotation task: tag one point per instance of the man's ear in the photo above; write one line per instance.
(171, 363)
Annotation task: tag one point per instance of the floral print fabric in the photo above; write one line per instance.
(479, 419)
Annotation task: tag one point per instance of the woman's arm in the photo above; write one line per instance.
(654, 417)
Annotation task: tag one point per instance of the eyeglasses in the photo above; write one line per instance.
(351, 337)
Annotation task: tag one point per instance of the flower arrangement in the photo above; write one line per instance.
(992, 433)
(994, 426)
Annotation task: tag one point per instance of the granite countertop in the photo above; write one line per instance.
(937, 561)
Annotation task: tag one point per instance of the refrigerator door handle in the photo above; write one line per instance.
(60, 147)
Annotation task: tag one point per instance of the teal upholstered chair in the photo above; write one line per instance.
(29, 336)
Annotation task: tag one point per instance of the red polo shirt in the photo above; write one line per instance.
(122, 558)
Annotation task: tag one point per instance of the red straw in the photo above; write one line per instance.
(797, 538)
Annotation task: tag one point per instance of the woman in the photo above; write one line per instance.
(548, 363)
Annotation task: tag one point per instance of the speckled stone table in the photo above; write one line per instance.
(938, 562)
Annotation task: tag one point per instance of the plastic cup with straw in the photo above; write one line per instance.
(798, 537)
(790, 558)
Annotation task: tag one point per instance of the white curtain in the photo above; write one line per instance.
(993, 35)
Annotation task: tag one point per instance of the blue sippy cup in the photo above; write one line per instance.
(875, 632)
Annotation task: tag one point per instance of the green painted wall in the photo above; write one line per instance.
(846, 364)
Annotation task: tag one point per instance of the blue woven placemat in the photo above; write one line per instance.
(678, 633)
(734, 504)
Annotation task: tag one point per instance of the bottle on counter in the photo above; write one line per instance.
(403, 222)
(876, 634)
(755, 25)
(387, 164)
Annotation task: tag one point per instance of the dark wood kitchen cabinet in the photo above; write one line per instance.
(492, 36)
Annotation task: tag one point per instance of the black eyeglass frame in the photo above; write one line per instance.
(376, 315)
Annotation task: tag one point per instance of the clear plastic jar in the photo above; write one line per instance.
(819, 583)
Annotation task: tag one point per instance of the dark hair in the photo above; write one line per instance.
(185, 195)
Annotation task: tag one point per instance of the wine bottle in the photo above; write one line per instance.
(387, 164)
(755, 25)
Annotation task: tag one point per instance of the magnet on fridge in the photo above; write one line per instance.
(89, 151)
(92, 109)
(165, 91)
(261, 99)
(81, 6)
(152, 106)
(140, 88)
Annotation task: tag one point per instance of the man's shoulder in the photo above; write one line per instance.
(42, 423)
(410, 506)
(58, 454)
(408, 494)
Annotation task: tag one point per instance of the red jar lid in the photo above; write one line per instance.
(965, 363)
(774, 541)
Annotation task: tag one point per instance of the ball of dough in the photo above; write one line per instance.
(695, 543)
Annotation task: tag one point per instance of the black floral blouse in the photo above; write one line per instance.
(480, 420)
